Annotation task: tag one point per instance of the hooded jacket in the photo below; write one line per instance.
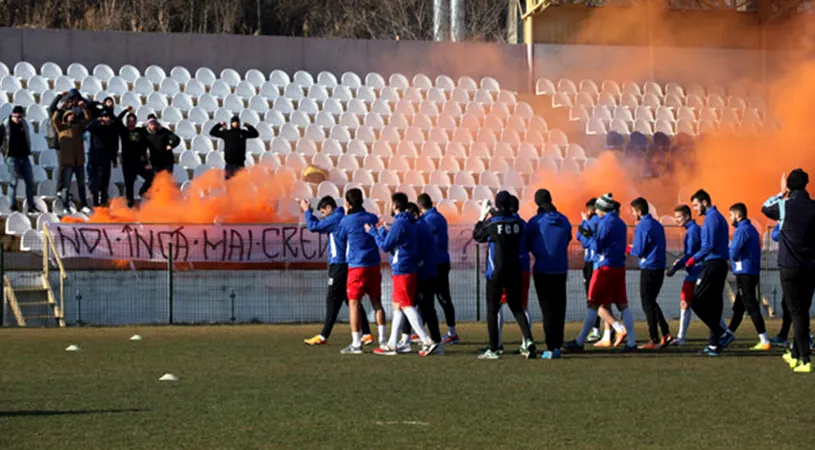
(134, 147)
(71, 144)
(693, 242)
(715, 235)
(588, 224)
(328, 225)
(609, 242)
(402, 242)
(104, 140)
(429, 254)
(548, 235)
(234, 142)
(504, 234)
(157, 143)
(360, 247)
(438, 226)
(796, 223)
(745, 249)
(649, 243)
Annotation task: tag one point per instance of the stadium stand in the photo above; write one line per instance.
(459, 140)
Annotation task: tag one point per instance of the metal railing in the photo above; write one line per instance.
(131, 292)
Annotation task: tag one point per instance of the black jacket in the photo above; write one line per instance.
(134, 147)
(796, 216)
(15, 143)
(504, 234)
(234, 142)
(104, 139)
(157, 143)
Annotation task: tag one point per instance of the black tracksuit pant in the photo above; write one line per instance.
(588, 271)
(650, 285)
(747, 300)
(786, 320)
(131, 170)
(425, 292)
(99, 177)
(707, 297)
(336, 297)
(798, 286)
(551, 290)
(442, 286)
(495, 290)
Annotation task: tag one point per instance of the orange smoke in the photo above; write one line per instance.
(254, 195)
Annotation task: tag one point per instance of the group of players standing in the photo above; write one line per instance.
(417, 243)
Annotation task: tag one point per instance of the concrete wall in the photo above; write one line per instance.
(506, 63)
(127, 297)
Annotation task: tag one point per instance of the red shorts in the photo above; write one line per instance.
(525, 277)
(607, 287)
(687, 291)
(364, 280)
(404, 289)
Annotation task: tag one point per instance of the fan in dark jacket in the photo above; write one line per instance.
(135, 160)
(234, 143)
(795, 212)
(104, 152)
(160, 143)
(16, 145)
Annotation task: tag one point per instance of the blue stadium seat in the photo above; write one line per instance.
(638, 142)
(614, 141)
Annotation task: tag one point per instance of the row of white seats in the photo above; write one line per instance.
(599, 126)
(666, 113)
(155, 74)
(544, 86)
(561, 100)
(144, 89)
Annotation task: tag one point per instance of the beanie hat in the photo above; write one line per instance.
(18, 110)
(235, 119)
(74, 94)
(152, 120)
(502, 201)
(542, 197)
(797, 180)
(605, 203)
(104, 113)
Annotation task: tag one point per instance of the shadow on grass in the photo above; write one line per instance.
(70, 412)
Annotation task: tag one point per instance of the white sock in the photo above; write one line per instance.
(588, 323)
(618, 327)
(322, 337)
(356, 338)
(595, 331)
(451, 331)
(763, 338)
(405, 337)
(606, 333)
(685, 316)
(382, 331)
(628, 320)
(416, 322)
(396, 327)
(500, 324)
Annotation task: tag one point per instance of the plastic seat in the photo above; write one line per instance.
(77, 72)
(17, 223)
(49, 71)
(303, 79)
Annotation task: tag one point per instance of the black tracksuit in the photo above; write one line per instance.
(747, 301)
(234, 145)
(504, 234)
(134, 161)
(796, 260)
(336, 297)
(161, 158)
(104, 150)
(651, 281)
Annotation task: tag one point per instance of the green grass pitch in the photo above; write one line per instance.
(260, 387)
